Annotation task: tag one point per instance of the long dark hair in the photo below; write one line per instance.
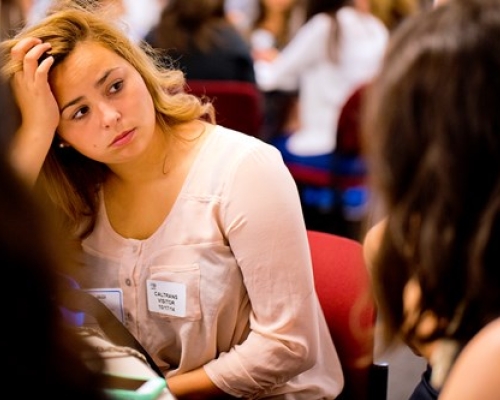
(432, 131)
(190, 23)
(329, 7)
(284, 35)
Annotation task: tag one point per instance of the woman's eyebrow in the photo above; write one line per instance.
(99, 82)
(104, 77)
(69, 104)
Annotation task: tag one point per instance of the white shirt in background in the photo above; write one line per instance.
(323, 85)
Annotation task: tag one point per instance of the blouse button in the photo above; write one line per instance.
(128, 282)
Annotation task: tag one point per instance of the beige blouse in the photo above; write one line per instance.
(226, 281)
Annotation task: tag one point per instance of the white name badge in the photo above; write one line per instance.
(111, 298)
(168, 298)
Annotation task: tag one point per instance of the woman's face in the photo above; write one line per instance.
(107, 112)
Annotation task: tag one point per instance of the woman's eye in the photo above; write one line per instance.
(116, 87)
(80, 113)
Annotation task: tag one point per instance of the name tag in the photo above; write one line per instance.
(111, 298)
(167, 298)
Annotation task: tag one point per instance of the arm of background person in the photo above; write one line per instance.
(306, 47)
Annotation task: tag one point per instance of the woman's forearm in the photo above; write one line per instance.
(195, 385)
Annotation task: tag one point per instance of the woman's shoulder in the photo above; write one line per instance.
(234, 144)
(485, 345)
(227, 153)
(476, 372)
(491, 331)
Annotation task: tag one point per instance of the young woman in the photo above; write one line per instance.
(190, 231)
(432, 134)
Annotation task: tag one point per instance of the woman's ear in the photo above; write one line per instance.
(60, 142)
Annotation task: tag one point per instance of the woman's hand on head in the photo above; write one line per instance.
(39, 110)
(38, 106)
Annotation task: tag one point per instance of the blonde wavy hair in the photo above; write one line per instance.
(71, 180)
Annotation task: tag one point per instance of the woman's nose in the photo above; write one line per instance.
(109, 115)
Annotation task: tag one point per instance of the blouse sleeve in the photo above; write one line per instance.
(266, 232)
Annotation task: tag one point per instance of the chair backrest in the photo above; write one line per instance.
(349, 125)
(343, 288)
(238, 104)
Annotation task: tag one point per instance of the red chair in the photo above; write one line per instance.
(238, 104)
(343, 287)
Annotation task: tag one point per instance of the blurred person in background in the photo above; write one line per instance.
(115, 10)
(241, 13)
(275, 24)
(137, 17)
(13, 15)
(142, 16)
(338, 49)
(202, 42)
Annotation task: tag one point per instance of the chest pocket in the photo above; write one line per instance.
(173, 291)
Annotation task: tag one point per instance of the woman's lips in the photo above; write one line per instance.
(123, 138)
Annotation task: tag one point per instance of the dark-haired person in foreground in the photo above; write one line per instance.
(432, 130)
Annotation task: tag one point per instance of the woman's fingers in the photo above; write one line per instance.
(29, 51)
(34, 54)
(31, 59)
(31, 84)
(23, 46)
